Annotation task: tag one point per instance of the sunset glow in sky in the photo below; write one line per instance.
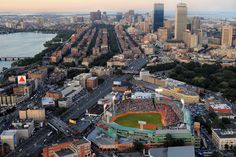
(111, 5)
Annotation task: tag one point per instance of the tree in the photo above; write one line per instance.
(213, 77)
(226, 146)
(226, 121)
(234, 150)
(118, 72)
(178, 142)
(216, 154)
(170, 141)
(138, 145)
(168, 137)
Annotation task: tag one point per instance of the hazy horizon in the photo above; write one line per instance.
(111, 5)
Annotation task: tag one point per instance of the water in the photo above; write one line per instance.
(25, 44)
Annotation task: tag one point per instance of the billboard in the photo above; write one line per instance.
(117, 83)
(72, 121)
(21, 80)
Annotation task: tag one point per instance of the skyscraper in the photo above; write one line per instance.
(190, 40)
(181, 21)
(196, 23)
(95, 15)
(227, 36)
(104, 16)
(163, 34)
(158, 17)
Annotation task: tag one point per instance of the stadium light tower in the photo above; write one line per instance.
(113, 103)
(108, 116)
(159, 90)
(182, 101)
(104, 108)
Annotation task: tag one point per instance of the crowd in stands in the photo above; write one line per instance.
(143, 105)
(168, 114)
(171, 114)
(176, 106)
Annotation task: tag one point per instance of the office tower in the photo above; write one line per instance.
(139, 18)
(163, 34)
(196, 23)
(189, 26)
(145, 27)
(158, 17)
(194, 41)
(181, 21)
(190, 40)
(202, 36)
(95, 15)
(169, 24)
(234, 42)
(227, 36)
(131, 12)
(104, 16)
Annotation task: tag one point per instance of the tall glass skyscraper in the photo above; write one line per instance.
(158, 17)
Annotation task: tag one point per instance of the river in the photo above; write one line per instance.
(24, 44)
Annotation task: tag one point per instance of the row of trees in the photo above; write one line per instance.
(169, 142)
(161, 67)
(213, 121)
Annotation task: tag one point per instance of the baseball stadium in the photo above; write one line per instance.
(147, 120)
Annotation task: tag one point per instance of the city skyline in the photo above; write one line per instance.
(117, 77)
(80, 5)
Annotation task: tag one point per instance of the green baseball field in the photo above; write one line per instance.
(153, 120)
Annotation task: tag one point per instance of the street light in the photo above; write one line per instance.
(104, 109)
(159, 90)
(182, 101)
(113, 103)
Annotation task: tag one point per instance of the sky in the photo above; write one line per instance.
(111, 5)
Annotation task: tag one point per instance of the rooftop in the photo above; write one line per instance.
(81, 141)
(8, 133)
(184, 151)
(100, 138)
(81, 125)
(220, 106)
(64, 152)
(225, 133)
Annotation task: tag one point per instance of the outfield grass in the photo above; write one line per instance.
(131, 120)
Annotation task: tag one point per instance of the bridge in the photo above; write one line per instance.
(58, 125)
(12, 58)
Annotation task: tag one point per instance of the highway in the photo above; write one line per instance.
(60, 125)
(37, 140)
